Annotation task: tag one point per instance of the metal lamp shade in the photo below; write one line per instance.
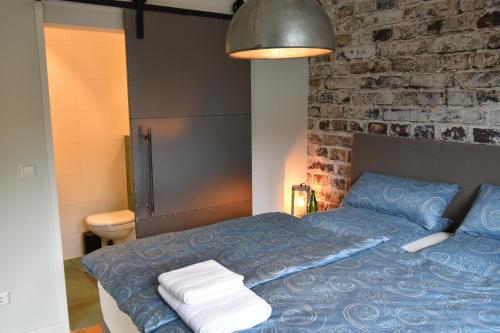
(280, 29)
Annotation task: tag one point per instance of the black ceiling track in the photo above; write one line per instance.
(237, 4)
(139, 12)
(140, 6)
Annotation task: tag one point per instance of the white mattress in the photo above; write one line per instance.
(118, 322)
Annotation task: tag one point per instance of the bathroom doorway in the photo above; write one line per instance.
(87, 79)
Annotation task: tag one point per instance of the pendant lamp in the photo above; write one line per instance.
(280, 29)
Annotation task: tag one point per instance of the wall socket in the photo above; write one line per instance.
(4, 299)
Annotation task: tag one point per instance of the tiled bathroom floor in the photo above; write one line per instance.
(82, 295)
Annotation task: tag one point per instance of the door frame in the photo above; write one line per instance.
(76, 15)
(63, 324)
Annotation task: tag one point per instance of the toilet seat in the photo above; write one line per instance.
(116, 226)
(112, 219)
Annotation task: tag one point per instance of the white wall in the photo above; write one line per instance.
(279, 131)
(30, 254)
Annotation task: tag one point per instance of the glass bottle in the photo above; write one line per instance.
(313, 204)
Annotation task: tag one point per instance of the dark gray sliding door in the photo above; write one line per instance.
(190, 124)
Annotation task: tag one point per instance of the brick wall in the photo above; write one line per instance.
(409, 68)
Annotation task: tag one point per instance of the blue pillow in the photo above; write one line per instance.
(483, 218)
(419, 201)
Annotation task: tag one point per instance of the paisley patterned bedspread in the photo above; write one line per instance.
(478, 255)
(262, 248)
(381, 290)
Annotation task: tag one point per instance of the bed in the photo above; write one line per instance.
(262, 248)
(357, 242)
(382, 290)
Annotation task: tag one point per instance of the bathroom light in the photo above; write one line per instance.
(280, 29)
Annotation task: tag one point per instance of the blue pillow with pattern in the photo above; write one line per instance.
(483, 218)
(419, 201)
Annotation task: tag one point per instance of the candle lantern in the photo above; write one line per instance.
(300, 199)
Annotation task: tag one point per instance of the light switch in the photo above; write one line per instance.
(28, 170)
(4, 298)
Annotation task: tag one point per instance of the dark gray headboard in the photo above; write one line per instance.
(469, 165)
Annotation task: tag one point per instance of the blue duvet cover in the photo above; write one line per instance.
(477, 255)
(380, 290)
(262, 248)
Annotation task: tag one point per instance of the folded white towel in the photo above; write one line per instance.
(230, 311)
(193, 284)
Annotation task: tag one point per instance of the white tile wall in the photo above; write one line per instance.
(89, 109)
(62, 93)
(99, 63)
(102, 155)
(67, 158)
(64, 126)
(102, 125)
(101, 94)
(60, 61)
(72, 214)
(69, 188)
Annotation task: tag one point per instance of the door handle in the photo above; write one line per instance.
(151, 204)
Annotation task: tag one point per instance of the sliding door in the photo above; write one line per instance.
(190, 123)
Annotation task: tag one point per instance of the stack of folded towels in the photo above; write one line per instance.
(210, 298)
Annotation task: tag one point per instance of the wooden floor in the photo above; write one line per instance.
(92, 329)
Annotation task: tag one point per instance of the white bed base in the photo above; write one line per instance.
(115, 320)
(118, 322)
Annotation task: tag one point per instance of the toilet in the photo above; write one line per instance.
(115, 226)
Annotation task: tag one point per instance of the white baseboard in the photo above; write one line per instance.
(53, 328)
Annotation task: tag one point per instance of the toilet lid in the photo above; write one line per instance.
(111, 218)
